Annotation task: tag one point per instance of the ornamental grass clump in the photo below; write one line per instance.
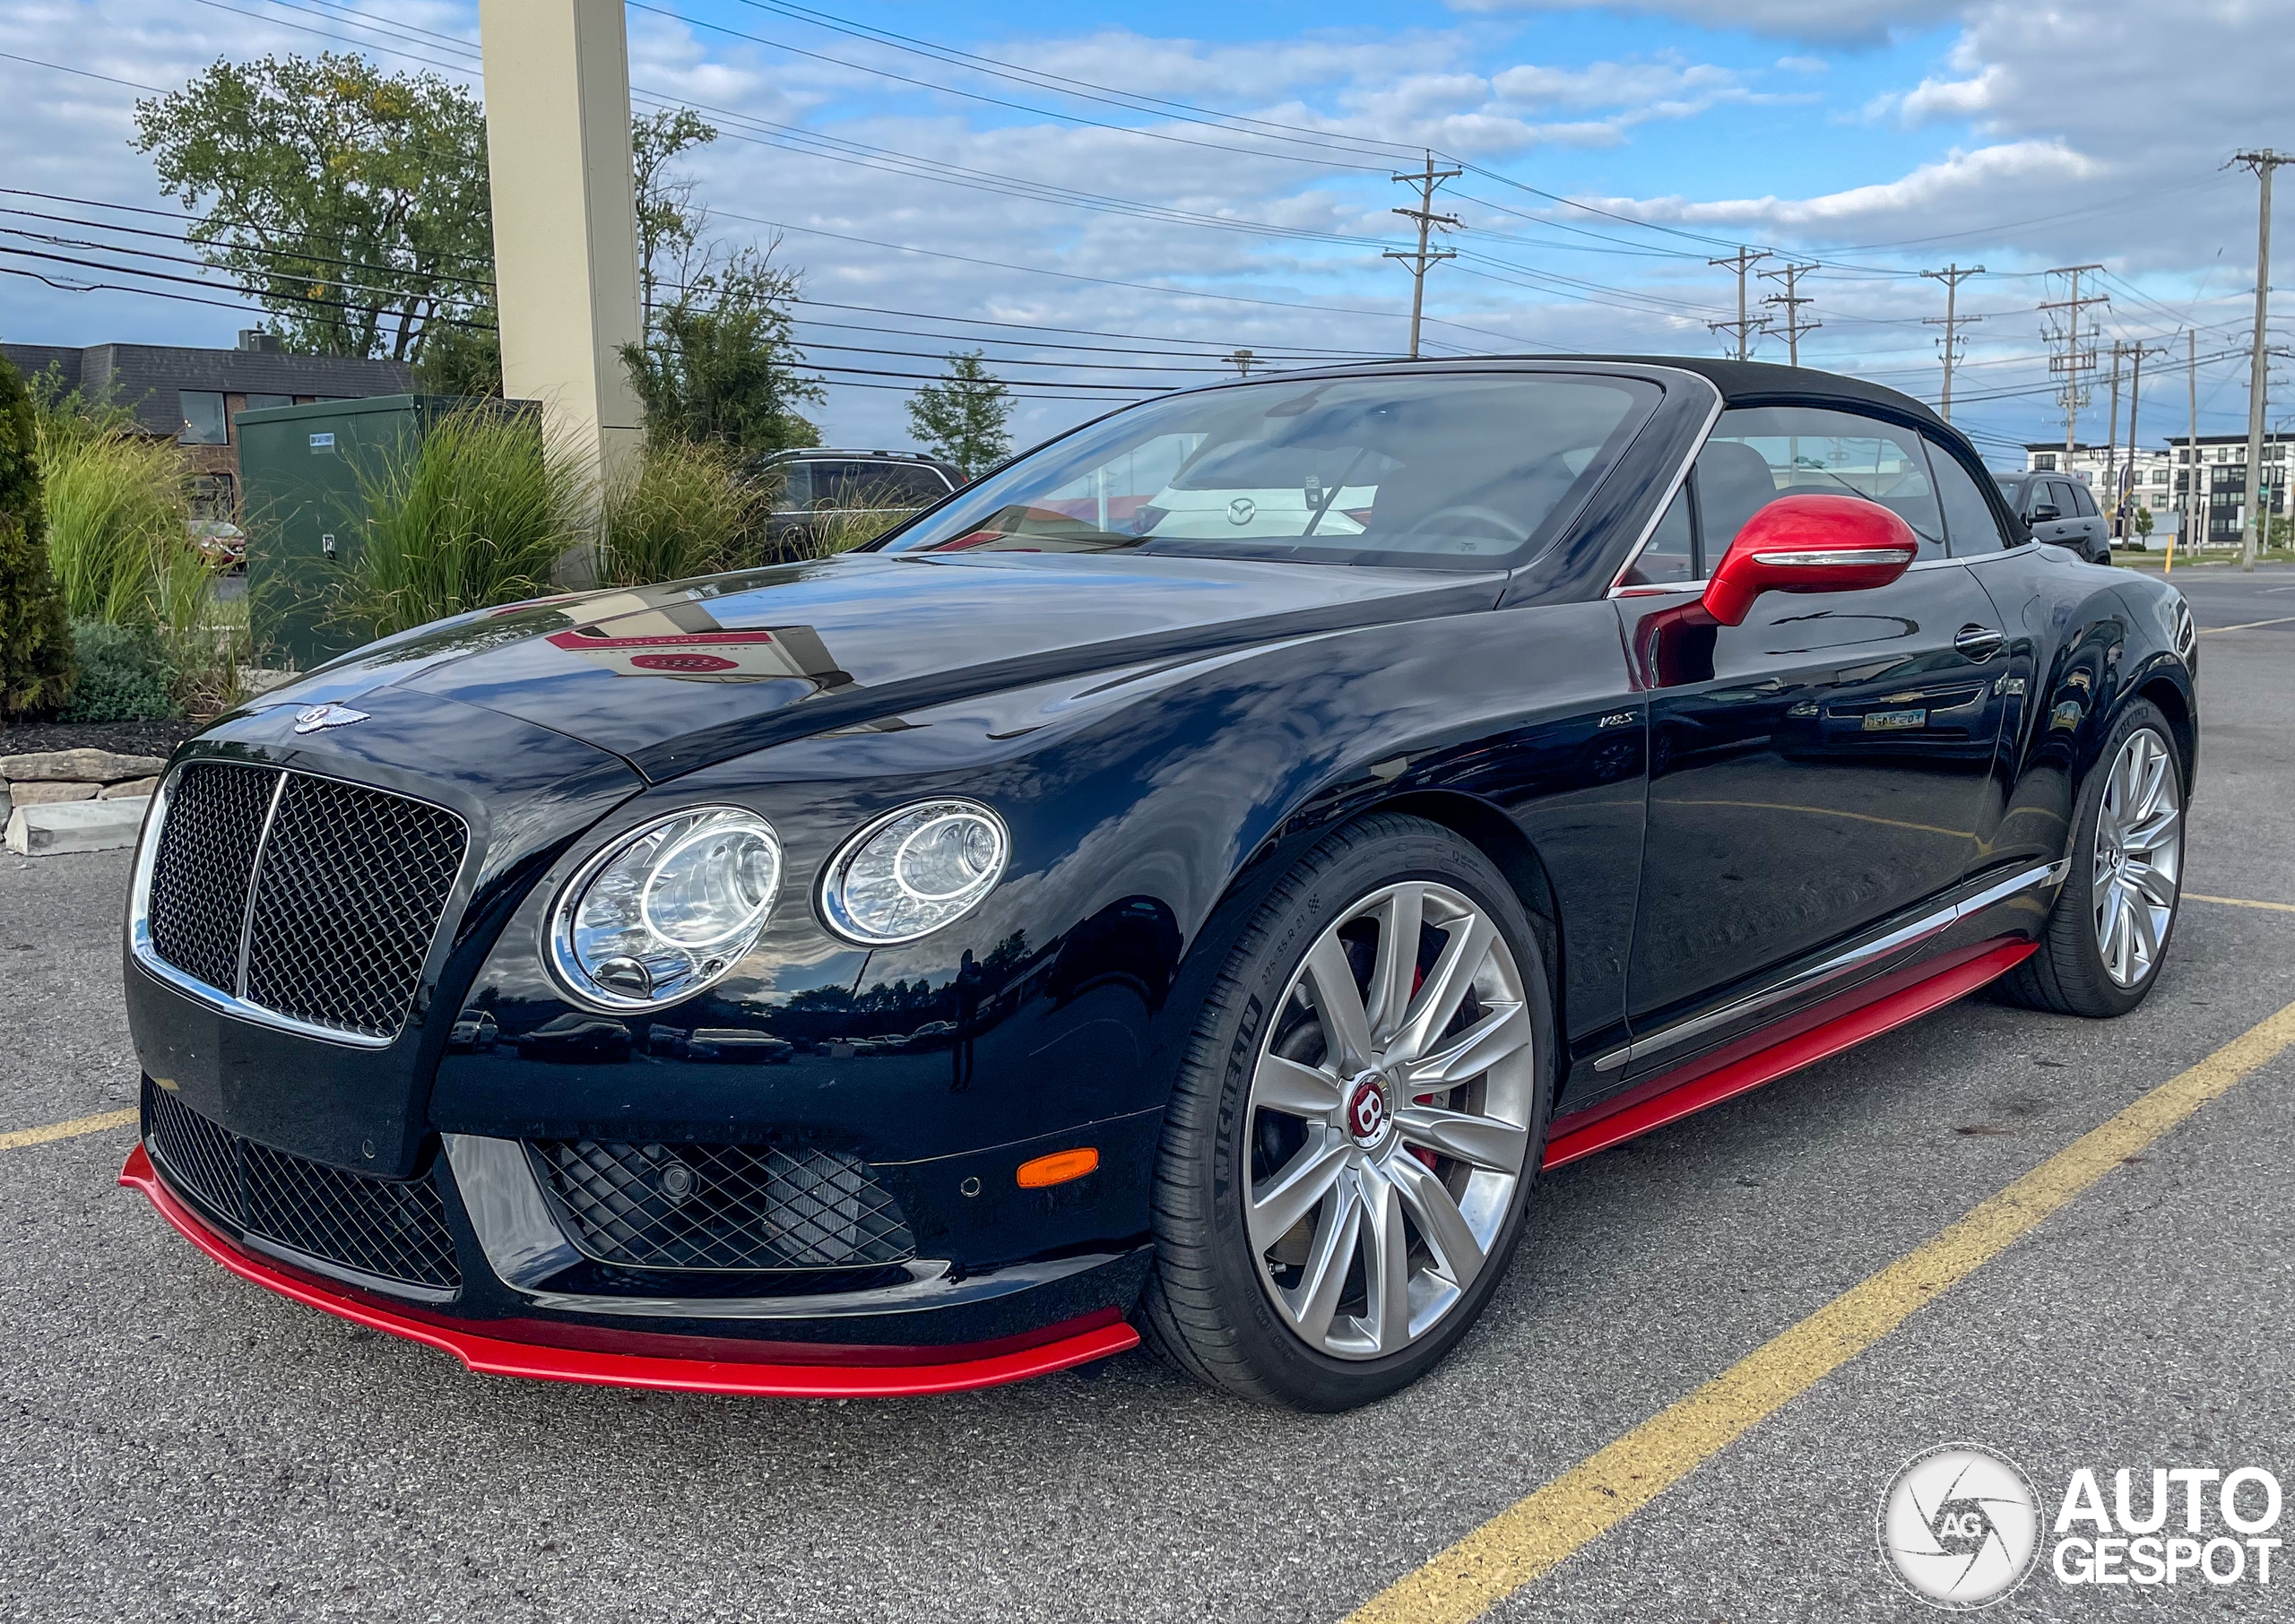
(675, 511)
(477, 514)
(117, 518)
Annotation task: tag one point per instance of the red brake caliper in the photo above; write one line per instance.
(1417, 981)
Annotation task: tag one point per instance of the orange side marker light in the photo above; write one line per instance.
(1058, 1168)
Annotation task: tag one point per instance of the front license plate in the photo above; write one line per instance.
(1894, 722)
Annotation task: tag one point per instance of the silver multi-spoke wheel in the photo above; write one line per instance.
(2138, 857)
(1390, 1114)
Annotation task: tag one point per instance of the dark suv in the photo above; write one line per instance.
(817, 490)
(2059, 509)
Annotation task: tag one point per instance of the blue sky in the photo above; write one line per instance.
(1875, 137)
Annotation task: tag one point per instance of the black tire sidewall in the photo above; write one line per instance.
(1376, 853)
(2073, 934)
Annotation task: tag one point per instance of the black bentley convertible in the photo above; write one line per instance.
(1186, 884)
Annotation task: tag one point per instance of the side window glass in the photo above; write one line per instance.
(2082, 502)
(1969, 523)
(1671, 555)
(1758, 453)
(204, 423)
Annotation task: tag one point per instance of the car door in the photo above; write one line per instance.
(2095, 542)
(1825, 764)
(2055, 513)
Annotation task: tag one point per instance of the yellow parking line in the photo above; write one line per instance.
(2245, 626)
(1536, 1533)
(2240, 902)
(67, 1130)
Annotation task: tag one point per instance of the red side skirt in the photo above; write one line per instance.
(1765, 1056)
(955, 1369)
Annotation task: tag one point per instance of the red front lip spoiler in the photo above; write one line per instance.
(495, 1356)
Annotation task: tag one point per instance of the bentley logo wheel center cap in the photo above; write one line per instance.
(1367, 1112)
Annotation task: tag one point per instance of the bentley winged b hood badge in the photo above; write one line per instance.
(312, 718)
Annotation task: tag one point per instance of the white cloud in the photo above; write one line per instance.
(1831, 21)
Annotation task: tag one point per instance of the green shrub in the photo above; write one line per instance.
(677, 511)
(124, 674)
(477, 514)
(35, 638)
(117, 511)
(864, 515)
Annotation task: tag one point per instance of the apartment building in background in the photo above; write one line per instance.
(2159, 479)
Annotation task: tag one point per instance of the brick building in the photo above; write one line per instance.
(192, 395)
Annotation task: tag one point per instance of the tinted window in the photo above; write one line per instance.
(203, 419)
(2083, 503)
(1756, 454)
(1671, 553)
(2057, 495)
(848, 485)
(1443, 471)
(1969, 523)
(260, 403)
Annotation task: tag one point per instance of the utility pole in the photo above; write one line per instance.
(1792, 299)
(1744, 326)
(2139, 349)
(2191, 443)
(2072, 395)
(1242, 361)
(2111, 446)
(1951, 321)
(1425, 180)
(2261, 162)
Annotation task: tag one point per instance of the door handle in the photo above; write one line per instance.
(1978, 642)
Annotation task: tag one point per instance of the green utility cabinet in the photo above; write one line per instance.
(300, 470)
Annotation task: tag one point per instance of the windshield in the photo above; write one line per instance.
(1458, 472)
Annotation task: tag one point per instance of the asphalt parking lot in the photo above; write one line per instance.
(176, 1442)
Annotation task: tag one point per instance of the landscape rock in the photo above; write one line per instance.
(82, 767)
(133, 788)
(40, 794)
(86, 825)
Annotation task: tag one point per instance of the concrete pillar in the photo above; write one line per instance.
(564, 215)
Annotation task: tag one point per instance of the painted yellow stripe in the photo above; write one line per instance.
(67, 1130)
(2245, 626)
(2240, 902)
(1536, 1533)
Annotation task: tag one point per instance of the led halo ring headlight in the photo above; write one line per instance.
(667, 908)
(911, 871)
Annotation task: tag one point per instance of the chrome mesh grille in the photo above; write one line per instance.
(394, 1229)
(205, 859)
(336, 889)
(722, 1206)
(353, 883)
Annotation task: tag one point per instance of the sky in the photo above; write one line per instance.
(1109, 198)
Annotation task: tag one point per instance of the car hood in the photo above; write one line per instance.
(674, 678)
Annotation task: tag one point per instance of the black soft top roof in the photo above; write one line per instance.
(1741, 382)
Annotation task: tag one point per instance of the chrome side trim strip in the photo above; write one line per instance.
(1833, 969)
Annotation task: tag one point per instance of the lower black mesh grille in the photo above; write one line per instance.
(395, 1228)
(722, 1206)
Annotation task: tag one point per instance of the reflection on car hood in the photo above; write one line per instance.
(675, 677)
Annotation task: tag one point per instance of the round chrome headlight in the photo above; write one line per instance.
(913, 871)
(667, 910)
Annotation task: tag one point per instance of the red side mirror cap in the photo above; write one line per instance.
(1809, 544)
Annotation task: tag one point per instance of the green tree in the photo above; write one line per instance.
(720, 366)
(670, 223)
(962, 418)
(2143, 523)
(354, 203)
(35, 638)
